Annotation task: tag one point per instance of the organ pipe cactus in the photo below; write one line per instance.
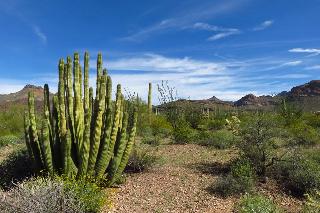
(81, 135)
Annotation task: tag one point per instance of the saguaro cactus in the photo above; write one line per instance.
(150, 101)
(80, 135)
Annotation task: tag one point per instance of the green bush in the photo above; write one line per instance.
(220, 139)
(16, 167)
(53, 195)
(312, 204)
(89, 196)
(9, 139)
(11, 120)
(256, 204)
(304, 134)
(183, 133)
(299, 174)
(241, 179)
(160, 126)
(140, 159)
(152, 140)
(215, 123)
(257, 141)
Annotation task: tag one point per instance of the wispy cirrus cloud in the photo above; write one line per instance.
(186, 18)
(314, 67)
(223, 32)
(223, 35)
(264, 25)
(311, 51)
(38, 32)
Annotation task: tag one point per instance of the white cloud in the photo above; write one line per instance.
(222, 35)
(208, 27)
(315, 67)
(40, 34)
(313, 51)
(153, 62)
(184, 18)
(292, 63)
(264, 25)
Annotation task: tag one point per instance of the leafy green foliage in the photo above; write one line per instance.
(256, 141)
(183, 133)
(256, 204)
(11, 121)
(220, 139)
(312, 204)
(9, 139)
(299, 174)
(241, 179)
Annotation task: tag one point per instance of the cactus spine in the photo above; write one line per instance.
(79, 135)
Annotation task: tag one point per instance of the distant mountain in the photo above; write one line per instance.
(311, 88)
(21, 97)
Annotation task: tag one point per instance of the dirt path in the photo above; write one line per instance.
(181, 184)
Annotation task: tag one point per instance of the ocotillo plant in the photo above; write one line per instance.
(81, 135)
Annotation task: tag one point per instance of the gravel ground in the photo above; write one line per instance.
(182, 182)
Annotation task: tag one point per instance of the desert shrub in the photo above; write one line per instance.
(89, 196)
(9, 139)
(152, 140)
(141, 159)
(160, 126)
(298, 174)
(256, 204)
(183, 133)
(220, 139)
(16, 167)
(304, 134)
(257, 141)
(241, 179)
(312, 204)
(212, 124)
(52, 195)
(312, 119)
(11, 121)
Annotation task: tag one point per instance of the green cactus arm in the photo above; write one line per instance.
(78, 106)
(126, 153)
(69, 96)
(34, 139)
(150, 99)
(99, 74)
(56, 151)
(62, 107)
(86, 82)
(121, 144)
(102, 158)
(115, 126)
(96, 134)
(45, 145)
(109, 93)
(26, 134)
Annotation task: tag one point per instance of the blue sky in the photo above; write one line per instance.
(226, 48)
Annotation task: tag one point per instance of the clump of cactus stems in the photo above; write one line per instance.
(81, 135)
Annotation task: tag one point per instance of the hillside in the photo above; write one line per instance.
(21, 97)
